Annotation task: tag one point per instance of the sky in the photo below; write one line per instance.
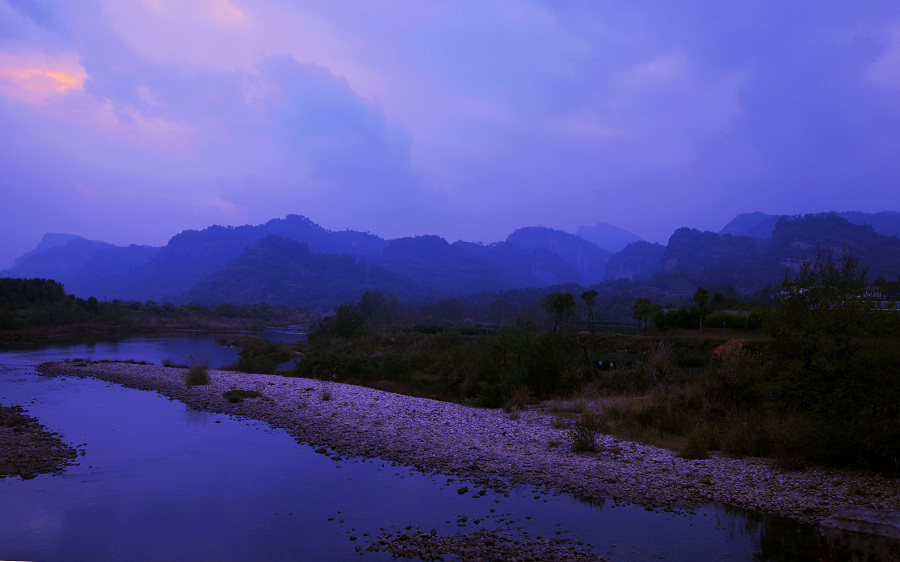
(129, 121)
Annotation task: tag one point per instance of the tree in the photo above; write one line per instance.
(701, 297)
(501, 310)
(589, 298)
(835, 351)
(642, 310)
(559, 307)
(346, 321)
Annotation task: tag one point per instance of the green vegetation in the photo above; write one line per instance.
(236, 395)
(819, 383)
(584, 433)
(198, 371)
(258, 355)
(31, 307)
(805, 373)
(824, 388)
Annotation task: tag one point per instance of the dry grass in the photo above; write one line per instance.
(198, 371)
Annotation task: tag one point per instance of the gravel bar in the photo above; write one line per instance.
(27, 448)
(491, 449)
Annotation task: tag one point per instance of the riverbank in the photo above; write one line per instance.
(490, 448)
(27, 448)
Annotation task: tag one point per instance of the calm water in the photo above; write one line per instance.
(162, 481)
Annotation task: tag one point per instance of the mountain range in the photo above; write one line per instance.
(293, 261)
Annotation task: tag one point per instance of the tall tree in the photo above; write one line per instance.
(836, 347)
(559, 308)
(701, 297)
(642, 310)
(589, 298)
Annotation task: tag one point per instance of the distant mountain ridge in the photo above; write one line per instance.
(608, 236)
(281, 271)
(295, 261)
(761, 225)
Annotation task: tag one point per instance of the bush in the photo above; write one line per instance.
(235, 396)
(834, 353)
(584, 433)
(198, 371)
(697, 445)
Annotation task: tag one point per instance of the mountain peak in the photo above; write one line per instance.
(608, 236)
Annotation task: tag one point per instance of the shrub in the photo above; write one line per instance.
(835, 350)
(234, 396)
(254, 363)
(198, 371)
(697, 444)
(584, 433)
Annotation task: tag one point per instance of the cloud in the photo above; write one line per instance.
(465, 119)
(35, 77)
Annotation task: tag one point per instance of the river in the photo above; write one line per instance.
(159, 480)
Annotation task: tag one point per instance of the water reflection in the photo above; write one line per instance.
(777, 539)
(160, 480)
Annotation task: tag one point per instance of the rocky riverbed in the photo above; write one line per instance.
(495, 449)
(27, 448)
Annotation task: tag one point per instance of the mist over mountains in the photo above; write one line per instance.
(294, 261)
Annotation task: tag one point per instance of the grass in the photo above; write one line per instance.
(584, 433)
(198, 371)
(325, 394)
(81, 362)
(171, 364)
(237, 395)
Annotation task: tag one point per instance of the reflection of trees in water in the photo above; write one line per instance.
(776, 539)
(593, 502)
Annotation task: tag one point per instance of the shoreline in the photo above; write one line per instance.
(489, 448)
(28, 449)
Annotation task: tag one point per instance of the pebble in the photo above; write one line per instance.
(489, 449)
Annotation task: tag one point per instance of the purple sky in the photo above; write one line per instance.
(131, 120)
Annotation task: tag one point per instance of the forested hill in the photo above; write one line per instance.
(282, 271)
(746, 264)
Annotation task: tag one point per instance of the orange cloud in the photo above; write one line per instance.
(36, 77)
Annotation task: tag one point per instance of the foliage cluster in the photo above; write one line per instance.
(836, 351)
(43, 304)
(197, 372)
(237, 395)
(705, 313)
(825, 388)
(487, 369)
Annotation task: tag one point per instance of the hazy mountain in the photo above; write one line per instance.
(886, 223)
(433, 263)
(192, 255)
(59, 259)
(691, 250)
(761, 225)
(538, 267)
(755, 225)
(637, 260)
(588, 259)
(608, 236)
(707, 258)
(294, 260)
(49, 240)
(795, 240)
(97, 276)
(278, 270)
